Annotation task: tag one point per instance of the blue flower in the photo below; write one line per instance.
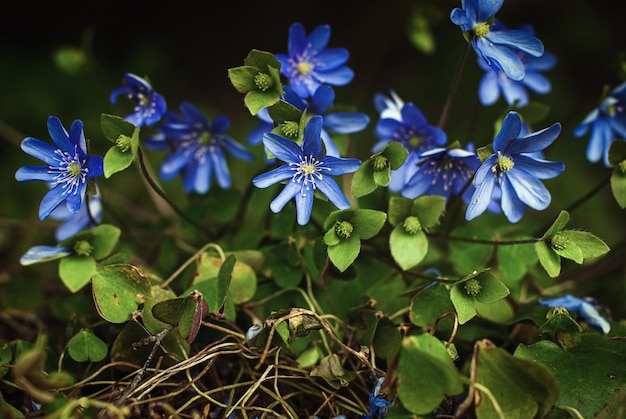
(198, 149)
(496, 47)
(379, 405)
(585, 307)
(43, 253)
(309, 64)
(305, 171)
(87, 217)
(68, 166)
(149, 105)
(607, 122)
(494, 82)
(415, 134)
(443, 172)
(517, 172)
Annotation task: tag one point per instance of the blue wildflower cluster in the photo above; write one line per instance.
(396, 192)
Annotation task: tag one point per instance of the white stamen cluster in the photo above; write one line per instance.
(71, 172)
(308, 171)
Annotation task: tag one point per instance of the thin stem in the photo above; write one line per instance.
(483, 241)
(453, 87)
(158, 190)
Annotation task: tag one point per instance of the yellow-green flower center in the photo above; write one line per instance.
(290, 129)
(505, 164)
(414, 141)
(473, 287)
(411, 224)
(559, 241)
(379, 163)
(263, 81)
(74, 169)
(123, 143)
(307, 172)
(481, 29)
(304, 67)
(622, 166)
(344, 229)
(83, 248)
(205, 138)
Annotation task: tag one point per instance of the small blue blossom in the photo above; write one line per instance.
(495, 82)
(496, 47)
(68, 169)
(198, 149)
(606, 122)
(585, 307)
(149, 105)
(415, 134)
(87, 217)
(43, 253)
(379, 405)
(305, 171)
(389, 106)
(515, 170)
(309, 64)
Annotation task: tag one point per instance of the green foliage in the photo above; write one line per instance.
(126, 138)
(478, 287)
(376, 171)
(85, 346)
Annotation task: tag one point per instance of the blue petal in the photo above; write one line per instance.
(480, 199)
(37, 254)
(536, 141)
(488, 88)
(222, 175)
(337, 77)
(274, 176)
(618, 124)
(312, 143)
(386, 128)
(412, 116)
(329, 144)
(319, 37)
(340, 166)
(123, 90)
(34, 173)
(511, 205)
(510, 129)
(50, 201)
(331, 59)
(41, 150)
(59, 135)
(537, 82)
(485, 169)
(459, 17)
(591, 316)
(346, 122)
(514, 92)
(568, 302)
(528, 189)
(192, 114)
(95, 164)
(517, 39)
(236, 149)
(329, 187)
(541, 169)
(502, 57)
(487, 8)
(77, 137)
(322, 99)
(284, 149)
(297, 41)
(197, 177)
(290, 190)
(304, 204)
(417, 185)
(176, 161)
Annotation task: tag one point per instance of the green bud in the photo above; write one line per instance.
(621, 166)
(290, 129)
(379, 163)
(263, 81)
(83, 248)
(411, 225)
(559, 241)
(344, 229)
(473, 287)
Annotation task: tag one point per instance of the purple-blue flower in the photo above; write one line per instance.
(415, 134)
(149, 105)
(607, 122)
(389, 106)
(68, 166)
(495, 82)
(379, 405)
(496, 47)
(309, 63)
(305, 171)
(515, 169)
(43, 253)
(198, 149)
(585, 307)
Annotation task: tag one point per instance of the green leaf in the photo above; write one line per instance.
(118, 290)
(76, 271)
(571, 251)
(85, 346)
(617, 152)
(523, 388)
(114, 126)
(590, 245)
(618, 188)
(331, 237)
(426, 374)
(157, 294)
(255, 100)
(492, 288)
(185, 312)
(550, 261)
(345, 252)
(420, 34)
(430, 303)
(363, 181)
(560, 321)
(242, 78)
(588, 374)
(395, 153)
(399, 209)
(282, 111)
(332, 371)
(367, 223)
(116, 160)
(428, 209)
(104, 239)
(558, 225)
(407, 250)
(463, 303)
(214, 278)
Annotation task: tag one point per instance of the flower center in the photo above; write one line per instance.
(481, 29)
(411, 225)
(473, 287)
(414, 141)
(263, 81)
(70, 172)
(344, 229)
(559, 241)
(379, 163)
(304, 67)
(503, 165)
(83, 248)
(290, 129)
(123, 143)
(308, 171)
